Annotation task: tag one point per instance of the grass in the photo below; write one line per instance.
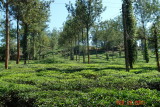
(59, 82)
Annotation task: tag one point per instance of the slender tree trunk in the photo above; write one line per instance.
(76, 55)
(96, 50)
(131, 65)
(146, 56)
(88, 53)
(34, 49)
(125, 38)
(156, 48)
(29, 49)
(112, 53)
(39, 56)
(107, 52)
(78, 49)
(25, 52)
(71, 51)
(142, 47)
(119, 51)
(146, 51)
(83, 47)
(7, 36)
(68, 51)
(18, 42)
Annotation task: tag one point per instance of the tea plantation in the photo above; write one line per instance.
(58, 82)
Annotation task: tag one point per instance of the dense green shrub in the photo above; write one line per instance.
(75, 84)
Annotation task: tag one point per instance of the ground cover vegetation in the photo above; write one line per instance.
(60, 82)
(87, 63)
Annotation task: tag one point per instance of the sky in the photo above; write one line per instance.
(59, 12)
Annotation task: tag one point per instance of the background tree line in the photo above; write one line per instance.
(82, 34)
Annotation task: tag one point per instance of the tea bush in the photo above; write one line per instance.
(59, 82)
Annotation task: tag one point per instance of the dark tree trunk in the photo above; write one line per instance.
(142, 47)
(7, 36)
(40, 50)
(146, 51)
(112, 54)
(25, 41)
(120, 53)
(71, 51)
(83, 47)
(34, 49)
(76, 55)
(131, 65)
(107, 54)
(125, 38)
(96, 50)
(146, 56)
(88, 53)
(156, 48)
(18, 42)
(78, 49)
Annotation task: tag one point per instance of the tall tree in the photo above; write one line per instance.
(5, 5)
(7, 34)
(16, 14)
(30, 20)
(155, 33)
(130, 30)
(90, 10)
(141, 10)
(54, 39)
(95, 34)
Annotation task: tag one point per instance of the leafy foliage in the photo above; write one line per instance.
(77, 84)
